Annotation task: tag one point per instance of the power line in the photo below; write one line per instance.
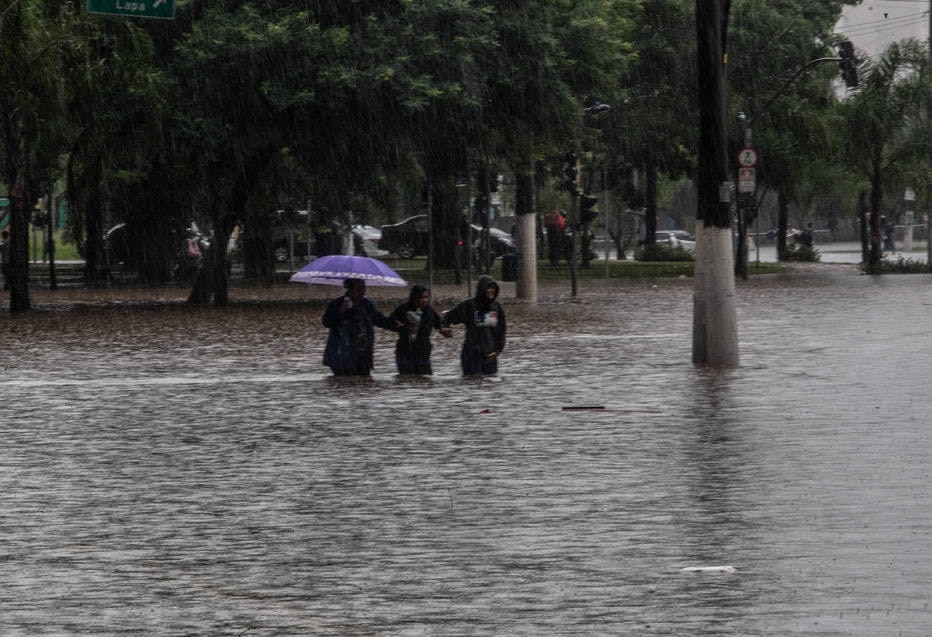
(886, 25)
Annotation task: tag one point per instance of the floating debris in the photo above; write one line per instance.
(708, 569)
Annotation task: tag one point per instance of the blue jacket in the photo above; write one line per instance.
(350, 342)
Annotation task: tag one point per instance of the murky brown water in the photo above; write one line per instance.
(178, 471)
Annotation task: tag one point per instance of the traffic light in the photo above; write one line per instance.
(571, 171)
(848, 64)
(586, 212)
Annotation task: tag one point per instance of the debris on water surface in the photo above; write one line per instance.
(708, 569)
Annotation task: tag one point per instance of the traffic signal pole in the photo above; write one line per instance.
(850, 60)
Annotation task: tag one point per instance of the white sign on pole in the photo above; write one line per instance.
(746, 180)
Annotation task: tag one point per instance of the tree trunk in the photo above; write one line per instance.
(203, 288)
(650, 200)
(19, 234)
(782, 226)
(444, 222)
(865, 230)
(875, 212)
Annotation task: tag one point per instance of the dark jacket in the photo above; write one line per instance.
(484, 320)
(350, 342)
(413, 348)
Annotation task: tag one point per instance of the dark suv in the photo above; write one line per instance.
(408, 238)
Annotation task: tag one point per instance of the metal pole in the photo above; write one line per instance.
(469, 213)
(574, 225)
(608, 244)
(53, 282)
(757, 236)
(430, 236)
(309, 233)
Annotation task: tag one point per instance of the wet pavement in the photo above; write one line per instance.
(168, 470)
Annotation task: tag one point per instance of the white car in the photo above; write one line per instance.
(366, 241)
(676, 238)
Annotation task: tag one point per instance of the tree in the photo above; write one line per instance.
(31, 36)
(888, 130)
(655, 129)
(793, 115)
(114, 111)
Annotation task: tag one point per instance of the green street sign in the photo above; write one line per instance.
(164, 9)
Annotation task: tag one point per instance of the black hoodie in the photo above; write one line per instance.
(483, 318)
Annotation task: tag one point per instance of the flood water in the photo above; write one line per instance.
(173, 471)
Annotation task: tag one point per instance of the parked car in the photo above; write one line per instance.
(366, 241)
(291, 236)
(676, 238)
(500, 244)
(409, 238)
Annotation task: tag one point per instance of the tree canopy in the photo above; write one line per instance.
(365, 111)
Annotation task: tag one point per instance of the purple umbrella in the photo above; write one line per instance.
(333, 269)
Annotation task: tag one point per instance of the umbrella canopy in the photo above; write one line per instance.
(333, 269)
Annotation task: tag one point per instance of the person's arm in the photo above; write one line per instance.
(455, 316)
(379, 319)
(434, 317)
(436, 323)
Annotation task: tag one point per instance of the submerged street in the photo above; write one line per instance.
(170, 470)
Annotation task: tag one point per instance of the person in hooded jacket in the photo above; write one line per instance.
(350, 319)
(484, 319)
(415, 320)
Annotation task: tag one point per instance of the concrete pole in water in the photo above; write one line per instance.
(526, 235)
(715, 324)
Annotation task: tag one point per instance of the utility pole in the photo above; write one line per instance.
(525, 234)
(715, 324)
(571, 170)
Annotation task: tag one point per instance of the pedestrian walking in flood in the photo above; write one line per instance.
(415, 320)
(350, 319)
(484, 319)
(888, 230)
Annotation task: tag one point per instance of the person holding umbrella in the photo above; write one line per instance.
(415, 320)
(350, 319)
(484, 319)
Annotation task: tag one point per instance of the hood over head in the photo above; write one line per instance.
(484, 282)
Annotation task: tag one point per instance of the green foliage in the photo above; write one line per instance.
(887, 125)
(899, 266)
(801, 252)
